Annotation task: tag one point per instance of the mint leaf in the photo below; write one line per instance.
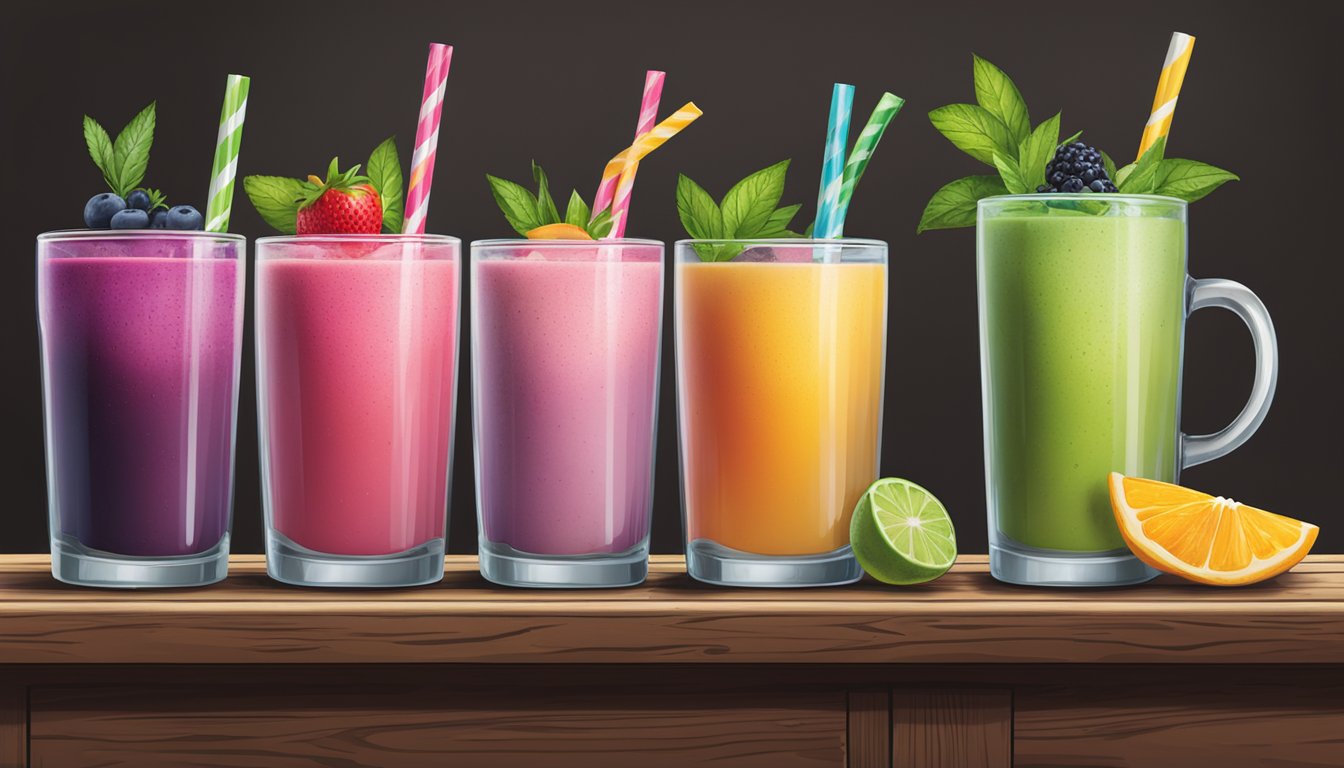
(385, 176)
(276, 198)
(1142, 180)
(1122, 174)
(577, 212)
(974, 130)
(157, 200)
(954, 204)
(778, 223)
(600, 226)
(748, 205)
(1034, 153)
(699, 214)
(131, 150)
(517, 204)
(808, 231)
(1189, 180)
(996, 92)
(1011, 174)
(546, 210)
(1110, 166)
(100, 149)
(1071, 139)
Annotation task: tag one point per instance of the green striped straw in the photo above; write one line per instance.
(225, 169)
(864, 147)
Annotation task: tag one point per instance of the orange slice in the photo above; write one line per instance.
(1205, 539)
(558, 232)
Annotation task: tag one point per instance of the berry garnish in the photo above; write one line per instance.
(183, 217)
(130, 218)
(345, 203)
(100, 209)
(138, 199)
(1076, 167)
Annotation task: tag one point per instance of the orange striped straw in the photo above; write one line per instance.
(644, 144)
(1168, 88)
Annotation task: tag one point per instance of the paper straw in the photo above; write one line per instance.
(1168, 88)
(833, 164)
(426, 139)
(219, 203)
(648, 116)
(864, 147)
(642, 147)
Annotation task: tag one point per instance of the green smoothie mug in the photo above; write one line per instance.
(1083, 301)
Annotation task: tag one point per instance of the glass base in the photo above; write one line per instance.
(510, 567)
(74, 563)
(292, 564)
(1029, 566)
(714, 563)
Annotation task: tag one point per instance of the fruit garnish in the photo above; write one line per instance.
(1207, 539)
(1077, 167)
(527, 212)
(558, 232)
(901, 533)
(749, 211)
(997, 131)
(342, 203)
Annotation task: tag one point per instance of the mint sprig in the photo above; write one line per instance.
(749, 211)
(526, 211)
(996, 131)
(278, 198)
(123, 162)
(384, 168)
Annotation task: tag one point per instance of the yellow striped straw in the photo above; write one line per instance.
(1168, 88)
(648, 142)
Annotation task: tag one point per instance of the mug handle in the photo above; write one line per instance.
(1231, 295)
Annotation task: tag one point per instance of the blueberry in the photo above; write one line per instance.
(1058, 178)
(1089, 175)
(1073, 184)
(138, 199)
(184, 217)
(130, 218)
(1097, 186)
(100, 209)
(158, 219)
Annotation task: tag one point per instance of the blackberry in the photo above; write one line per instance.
(1076, 167)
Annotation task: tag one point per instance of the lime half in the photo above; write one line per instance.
(901, 533)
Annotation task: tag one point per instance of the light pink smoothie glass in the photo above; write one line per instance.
(356, 385)
(565, 339)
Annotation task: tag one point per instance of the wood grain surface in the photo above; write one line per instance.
(868, 742)
(951, 728)
(965, 617)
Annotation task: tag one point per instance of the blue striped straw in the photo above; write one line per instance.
(829, 219)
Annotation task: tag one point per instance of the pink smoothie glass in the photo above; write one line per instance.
(356, 389)
(565, 340)
(141, 336)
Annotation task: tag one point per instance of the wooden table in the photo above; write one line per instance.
(963, 672)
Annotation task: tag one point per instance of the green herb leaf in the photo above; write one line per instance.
(699, 214)
(778, 223)
(100, 149)
(748, 205)
(276, 198)
(974, 130)
(1071, 139)
(1122, 174)
(1110, 166)
(157, 200)
(518, 205)
(996, 92)
(1142, 180)
(577, 212)
(1189, 180)
(601, 225)
(954, 205)
(385, 176)
(1035, 152)
(1011, 174)
(131, 150)
(547, 213)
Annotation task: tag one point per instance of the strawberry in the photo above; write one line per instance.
(344, 204)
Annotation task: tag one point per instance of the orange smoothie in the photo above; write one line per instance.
(780, 376)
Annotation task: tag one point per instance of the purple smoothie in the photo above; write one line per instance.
(141, 339)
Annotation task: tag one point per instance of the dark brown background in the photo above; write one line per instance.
(560, 82)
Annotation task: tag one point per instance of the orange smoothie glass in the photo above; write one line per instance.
(781, 349)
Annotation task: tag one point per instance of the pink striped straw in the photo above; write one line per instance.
(616, 192)
(426, 139)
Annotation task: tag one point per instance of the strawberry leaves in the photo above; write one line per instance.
(278, 198)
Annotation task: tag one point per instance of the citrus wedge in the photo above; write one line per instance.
(1211, 540)
(901, 533)
(558, 232)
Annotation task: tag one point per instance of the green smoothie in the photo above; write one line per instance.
(1082, 317)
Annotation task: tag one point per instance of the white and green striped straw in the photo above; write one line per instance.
(864, 147)
(225, 169)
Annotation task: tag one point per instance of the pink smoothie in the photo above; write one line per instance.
(356, 370)
(565, 358)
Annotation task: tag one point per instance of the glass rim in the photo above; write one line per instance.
(802, 242)
(516, 242)
(60, 235)
(378, 238)
(1119, 197)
